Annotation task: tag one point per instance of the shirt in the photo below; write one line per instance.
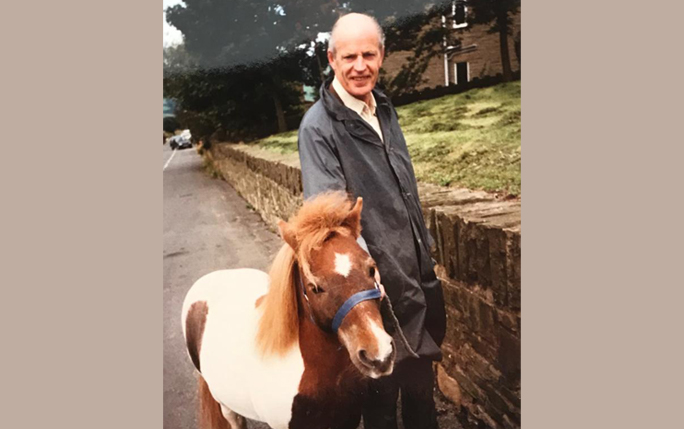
(366, 112)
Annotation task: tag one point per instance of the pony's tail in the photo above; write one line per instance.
(210, 415)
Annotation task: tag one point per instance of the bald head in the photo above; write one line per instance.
(355, 25)
(355, 53)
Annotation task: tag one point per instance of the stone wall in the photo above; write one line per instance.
(268, 182)
(478, 254)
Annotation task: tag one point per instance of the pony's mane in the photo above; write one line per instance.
(319, 217)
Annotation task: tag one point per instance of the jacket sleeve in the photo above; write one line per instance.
(321, 169)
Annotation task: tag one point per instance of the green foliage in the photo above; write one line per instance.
(243, 63)
(470, 140)
(281, 143)
(422, 34)
(499, 15)
(171, 124)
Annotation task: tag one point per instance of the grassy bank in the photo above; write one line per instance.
(469, 140)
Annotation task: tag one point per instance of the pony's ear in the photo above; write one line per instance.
(288, 234)
(353, 220)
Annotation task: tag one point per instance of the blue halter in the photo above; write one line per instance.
(352, 301)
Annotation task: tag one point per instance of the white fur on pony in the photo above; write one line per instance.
(384, 341)
(343, 264)
(237, 375)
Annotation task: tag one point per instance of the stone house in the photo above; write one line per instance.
(468, 52)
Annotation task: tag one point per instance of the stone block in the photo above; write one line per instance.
(449, 387)
(446, 227)
(508, 357)
(513, 266)
(497, 272)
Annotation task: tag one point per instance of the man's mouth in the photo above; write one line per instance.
(360, 78)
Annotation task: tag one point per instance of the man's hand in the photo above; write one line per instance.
(382, 288)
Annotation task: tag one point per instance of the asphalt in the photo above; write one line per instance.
(207, 226)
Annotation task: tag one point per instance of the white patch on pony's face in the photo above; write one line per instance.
(384, 341)
(343, 264)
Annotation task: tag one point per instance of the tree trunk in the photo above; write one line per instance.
(320, 67)
(280, 114)
(517, 41)
(503, 44)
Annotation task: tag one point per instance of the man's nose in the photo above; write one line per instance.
(359, 64)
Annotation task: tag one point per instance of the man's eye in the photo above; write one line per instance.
(371, 272)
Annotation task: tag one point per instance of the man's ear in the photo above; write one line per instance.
(331, 60)
(353, 220)
(288, 234)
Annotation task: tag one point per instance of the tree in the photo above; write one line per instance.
(243, 62)
(421, 33)
(498, 14)
(177, 60)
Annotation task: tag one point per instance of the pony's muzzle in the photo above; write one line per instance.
(380, 365)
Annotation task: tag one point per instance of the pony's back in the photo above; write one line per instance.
(221, 313)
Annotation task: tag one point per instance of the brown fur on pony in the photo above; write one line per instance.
(210, 415)
(305, 232)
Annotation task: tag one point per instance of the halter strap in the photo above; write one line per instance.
(346, 307)
(351, 302)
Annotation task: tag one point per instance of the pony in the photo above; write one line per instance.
(294, 348)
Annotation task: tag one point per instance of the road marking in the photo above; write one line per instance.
(169, 161)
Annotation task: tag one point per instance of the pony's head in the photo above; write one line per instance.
(334, 285)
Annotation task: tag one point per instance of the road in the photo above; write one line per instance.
(208, 226)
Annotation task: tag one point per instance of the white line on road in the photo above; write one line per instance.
(169, 161)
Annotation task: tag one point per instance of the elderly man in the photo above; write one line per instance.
(351, 140)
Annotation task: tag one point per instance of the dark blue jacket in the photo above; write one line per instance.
(338, 150)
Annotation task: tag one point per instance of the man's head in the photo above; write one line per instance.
(355, 52)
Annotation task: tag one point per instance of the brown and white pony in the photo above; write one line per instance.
(292, 348)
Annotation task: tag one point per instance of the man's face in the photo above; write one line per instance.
(357, 62)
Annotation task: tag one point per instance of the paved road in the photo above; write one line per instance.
(207, 226)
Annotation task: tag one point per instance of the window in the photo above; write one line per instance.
(459, 10)
(461, 72)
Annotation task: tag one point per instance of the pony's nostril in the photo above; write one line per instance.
(378, 364)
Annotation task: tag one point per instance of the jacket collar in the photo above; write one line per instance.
(334, 106)
(352, 102)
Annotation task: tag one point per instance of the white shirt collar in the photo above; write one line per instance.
(352, 102)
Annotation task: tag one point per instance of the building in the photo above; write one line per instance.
(468, 52)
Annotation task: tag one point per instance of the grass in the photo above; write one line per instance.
(469, 140)
(281, 143)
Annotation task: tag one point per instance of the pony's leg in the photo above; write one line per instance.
(351, 421)
(210, 412)
(236, 420)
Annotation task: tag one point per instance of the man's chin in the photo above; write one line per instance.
(361, 91)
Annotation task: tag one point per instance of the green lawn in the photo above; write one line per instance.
(469, 140)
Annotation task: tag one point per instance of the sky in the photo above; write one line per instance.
(172, 36)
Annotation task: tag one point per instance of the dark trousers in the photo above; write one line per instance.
(414, 378)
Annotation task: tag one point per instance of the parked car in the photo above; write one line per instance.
(181, 141)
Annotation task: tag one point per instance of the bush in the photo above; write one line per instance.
(171, 124)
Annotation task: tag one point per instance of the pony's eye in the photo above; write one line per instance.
(316, 289)
(371, 272)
